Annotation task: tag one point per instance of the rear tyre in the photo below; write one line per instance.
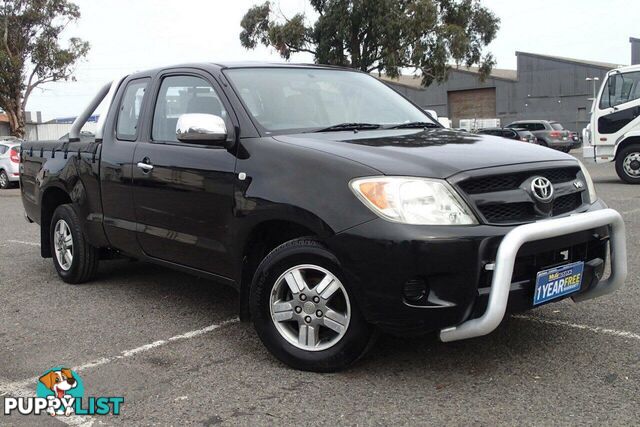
(303, 310)
(76, 261)
(4, 180)
(628, 164)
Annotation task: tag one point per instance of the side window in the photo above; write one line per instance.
(509, 134)
(621, 88)
(536, 126)
(3, 149)
(129, 112)
(183, 95)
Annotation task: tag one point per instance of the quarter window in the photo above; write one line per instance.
(183, 95)
(528, 126)
(129, 112)
(620, 88)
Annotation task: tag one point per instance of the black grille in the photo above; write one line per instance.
(487, 184)
(504, 210)
(567, 203)
(560, 175)
(490, 184)
(508, 212)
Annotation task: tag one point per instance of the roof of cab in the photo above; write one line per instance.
(259, 64)
(235, 65)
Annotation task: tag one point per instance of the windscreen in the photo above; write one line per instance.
(283, 100)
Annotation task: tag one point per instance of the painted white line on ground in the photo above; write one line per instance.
(26, 387)
(595, 329)
(23, 242)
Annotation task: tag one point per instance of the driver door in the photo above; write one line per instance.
(183, 192)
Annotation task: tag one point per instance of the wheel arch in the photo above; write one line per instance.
(629, 139)
(262, 239)
(52, 197)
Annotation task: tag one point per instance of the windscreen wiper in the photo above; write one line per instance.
(349, 126)
(414, 125)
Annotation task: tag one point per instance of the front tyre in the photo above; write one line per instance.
(76, 261)
(628, 164)
(303, 310)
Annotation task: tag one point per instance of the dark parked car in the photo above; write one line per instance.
(333, 205)
(549, 133)
(518, 134)
(576, 138)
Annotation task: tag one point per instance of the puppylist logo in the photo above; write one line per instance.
(60, 392)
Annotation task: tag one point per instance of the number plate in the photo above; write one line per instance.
(557, 282)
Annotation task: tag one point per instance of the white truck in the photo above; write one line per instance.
(614, 131)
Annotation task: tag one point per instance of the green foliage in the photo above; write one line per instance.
(381, 35)
(30, 53)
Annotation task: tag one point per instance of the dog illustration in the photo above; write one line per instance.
(59, 382)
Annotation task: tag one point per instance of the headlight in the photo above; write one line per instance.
(590, 187)
(413, 200)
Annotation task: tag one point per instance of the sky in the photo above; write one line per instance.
(133, 35)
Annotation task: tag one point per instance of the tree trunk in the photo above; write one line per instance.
(16, 118)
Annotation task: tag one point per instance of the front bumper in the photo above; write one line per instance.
(379, 258)
(506, 257)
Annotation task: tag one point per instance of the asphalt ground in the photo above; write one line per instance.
(170, 344)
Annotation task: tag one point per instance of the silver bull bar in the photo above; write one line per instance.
(506, 257)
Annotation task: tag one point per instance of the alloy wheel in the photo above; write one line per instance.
(63, 244)
(310, 307)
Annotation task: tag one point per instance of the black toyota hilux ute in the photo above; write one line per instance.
(335, 206)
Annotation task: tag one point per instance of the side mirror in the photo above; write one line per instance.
(201, 129)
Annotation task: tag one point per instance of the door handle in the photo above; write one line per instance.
(146, 167)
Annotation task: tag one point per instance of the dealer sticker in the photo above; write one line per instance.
(557, 282)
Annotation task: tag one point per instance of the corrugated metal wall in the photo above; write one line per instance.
(546, 89)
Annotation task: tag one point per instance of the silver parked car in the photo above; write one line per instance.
(550, 134)
(9, 163)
